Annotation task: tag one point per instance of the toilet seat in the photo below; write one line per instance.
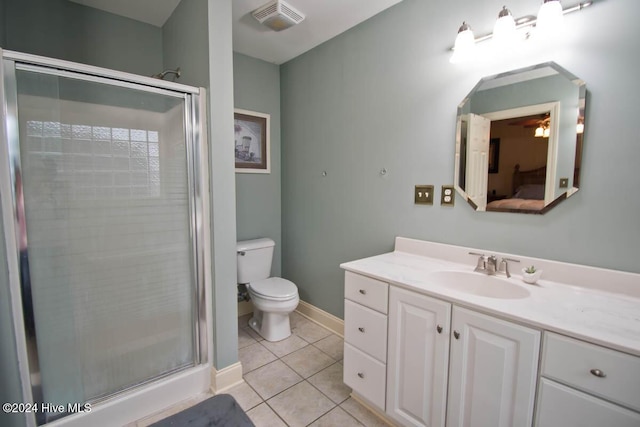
(274, 288)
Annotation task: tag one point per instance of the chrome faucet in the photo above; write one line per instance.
(489, 264)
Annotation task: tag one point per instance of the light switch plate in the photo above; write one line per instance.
(448, 195)
(564, 182)
(423, 195)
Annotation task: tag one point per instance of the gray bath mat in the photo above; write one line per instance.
(219, 411)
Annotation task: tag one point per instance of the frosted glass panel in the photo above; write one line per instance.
(108, 224)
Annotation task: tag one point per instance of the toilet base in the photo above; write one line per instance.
(271, 326)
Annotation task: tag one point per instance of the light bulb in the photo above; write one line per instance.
(550, 19)
(539, 132)
(580, 128)
(546, 133)
(504, 31)
(464, 45)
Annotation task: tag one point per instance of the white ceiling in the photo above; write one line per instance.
(324, 19)
(154, 12)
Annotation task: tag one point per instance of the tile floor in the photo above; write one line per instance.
(297, 381)
(293, 382)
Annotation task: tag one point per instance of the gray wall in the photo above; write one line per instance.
(222, 183)
(3, 27)
(65, 30)
(185, 43)
(256, 87)
(384, 95)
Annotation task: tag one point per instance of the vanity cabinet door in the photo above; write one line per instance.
(418, 358)
(492, 374)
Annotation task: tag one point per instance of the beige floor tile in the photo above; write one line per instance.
(253, 334)
(254, 356)
(244, 338)
(333, 345)
(362, 414)
(296, 318)
(246, 397)
(286, 346)
(337, 417)
(300, 405)
(310, 331)
(263, 416)
(271, 379)
(307, 361)
(330, 382)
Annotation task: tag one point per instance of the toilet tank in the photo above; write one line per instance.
(254, 259)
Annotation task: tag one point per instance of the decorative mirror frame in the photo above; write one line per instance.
(515, 94)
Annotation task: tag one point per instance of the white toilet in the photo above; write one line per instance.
(273, 297)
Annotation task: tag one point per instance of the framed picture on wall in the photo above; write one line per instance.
(494, 154)
(252, 146)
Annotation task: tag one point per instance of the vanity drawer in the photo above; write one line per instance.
(597, 370)
(559, 405)
(365, 375)
(366, 291)
(365, 329)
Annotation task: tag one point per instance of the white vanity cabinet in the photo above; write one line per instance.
(365, 337)
(492, 371)
(488, 366)
(585, 385)
(418, 359)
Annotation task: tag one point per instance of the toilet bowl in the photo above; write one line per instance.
(273, 298)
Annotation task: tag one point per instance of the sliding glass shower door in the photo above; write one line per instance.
(107, 230)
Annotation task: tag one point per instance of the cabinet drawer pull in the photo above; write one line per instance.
(360, 374)
(598, 373)
(363, 292)
(456, 334)
(361, 329)
(439, 329)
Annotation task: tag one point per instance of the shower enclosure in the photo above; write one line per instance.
(103, 215)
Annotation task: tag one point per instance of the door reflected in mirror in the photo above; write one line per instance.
(519, 140)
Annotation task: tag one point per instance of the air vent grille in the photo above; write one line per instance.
(278, 15)
(261, 14)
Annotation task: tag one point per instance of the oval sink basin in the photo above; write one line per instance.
(479, 284)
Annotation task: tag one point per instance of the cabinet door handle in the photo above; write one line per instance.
(456, 334)
(598, 373)
(439, 329)
(360, 374)
(361, 329)
(363, 292)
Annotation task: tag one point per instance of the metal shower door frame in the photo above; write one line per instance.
(10, 164)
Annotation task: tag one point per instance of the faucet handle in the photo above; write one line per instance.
(482, 262)
(504, 265)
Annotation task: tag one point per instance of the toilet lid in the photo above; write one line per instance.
(274, 288)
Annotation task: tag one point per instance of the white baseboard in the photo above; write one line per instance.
(321, 317)
(244, 307)
(226, 378)
(373, 409)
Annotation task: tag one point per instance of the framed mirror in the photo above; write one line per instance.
(519, 139)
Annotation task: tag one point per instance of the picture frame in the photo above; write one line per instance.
(252, 142)
(494, 154)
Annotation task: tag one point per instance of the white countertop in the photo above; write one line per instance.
(608, 319)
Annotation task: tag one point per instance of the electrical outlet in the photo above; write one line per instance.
(423, 195)
(564, 182)
(447, 196)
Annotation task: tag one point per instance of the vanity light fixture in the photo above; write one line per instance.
(545, 24)
(504, 31)
(464, 44)
(550, 19)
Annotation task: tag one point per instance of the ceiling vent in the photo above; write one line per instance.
(277, 15)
